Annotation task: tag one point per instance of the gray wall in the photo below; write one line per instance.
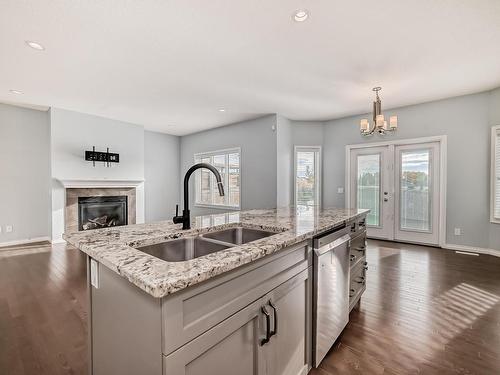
(257, 140)
(161, 170)
(24, 173)
(308, 133)
(71, 134)
(284, 162)
(467, 121)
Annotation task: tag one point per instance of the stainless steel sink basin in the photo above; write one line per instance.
(183, 249)
(238, 235)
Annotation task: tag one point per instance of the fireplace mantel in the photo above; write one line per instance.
(101, 183)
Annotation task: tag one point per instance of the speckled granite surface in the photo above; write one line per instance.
(114, 247)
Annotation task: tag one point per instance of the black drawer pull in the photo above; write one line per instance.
(268, 326)
(275, 328)
(360, 280)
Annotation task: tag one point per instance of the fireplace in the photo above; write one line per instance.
(93, 197)
(102, 212)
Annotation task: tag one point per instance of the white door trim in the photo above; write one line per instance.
(443, 176)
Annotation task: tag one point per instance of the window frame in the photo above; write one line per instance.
(201, 155)
(317, 149)
(495, 134)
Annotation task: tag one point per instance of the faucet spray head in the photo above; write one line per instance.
(221, 188)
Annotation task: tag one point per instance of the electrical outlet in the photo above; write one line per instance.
(8, 228)
(340, 190)
(458, 231)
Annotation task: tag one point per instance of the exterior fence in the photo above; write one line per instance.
(415, 206)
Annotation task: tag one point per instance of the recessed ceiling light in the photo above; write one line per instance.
(35, 45)
(222, 110)
(17, 92)
(300, 15)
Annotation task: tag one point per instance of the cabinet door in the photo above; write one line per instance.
(287, 353)
(231, 347)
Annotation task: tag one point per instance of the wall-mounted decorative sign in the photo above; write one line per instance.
(105, 157)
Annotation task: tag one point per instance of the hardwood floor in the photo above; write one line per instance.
(425, 311)
(43, 311)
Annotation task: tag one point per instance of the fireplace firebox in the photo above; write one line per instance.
(102, 212)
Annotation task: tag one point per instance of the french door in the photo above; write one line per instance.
(400, 184)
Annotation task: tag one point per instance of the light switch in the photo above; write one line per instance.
(340, 190)
(458, 232)
(8, 228)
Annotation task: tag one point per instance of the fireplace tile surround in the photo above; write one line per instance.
(72, 195)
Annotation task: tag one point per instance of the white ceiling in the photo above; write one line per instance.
(170, 65)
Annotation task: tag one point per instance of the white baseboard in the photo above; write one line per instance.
(472, 249)
(24, 242)
(59, 240)
(304, 370)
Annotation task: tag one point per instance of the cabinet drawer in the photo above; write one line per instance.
(189, 313)
(236, 344)
(357, 282)
(358, 249)
(358, 226)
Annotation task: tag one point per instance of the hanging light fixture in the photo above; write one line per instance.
(379, 122)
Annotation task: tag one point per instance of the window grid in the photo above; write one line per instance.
(227, 163)
(307, 176)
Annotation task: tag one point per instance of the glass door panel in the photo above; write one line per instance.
(370, 181)
(415, 185)
(368, 186)
(417, 193)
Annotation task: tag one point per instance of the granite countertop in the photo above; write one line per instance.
(114, 247)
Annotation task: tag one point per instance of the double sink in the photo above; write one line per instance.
(187, 248)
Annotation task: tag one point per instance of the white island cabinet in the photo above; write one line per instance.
(253, 320)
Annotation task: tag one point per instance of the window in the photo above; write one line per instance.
(307, 176)
(495, 174)
(227, 163)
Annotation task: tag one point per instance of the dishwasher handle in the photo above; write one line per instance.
(332, 245)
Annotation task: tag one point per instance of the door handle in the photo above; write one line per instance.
(268, 326)
(275, 325)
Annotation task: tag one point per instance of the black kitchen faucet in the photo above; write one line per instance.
(185, 219)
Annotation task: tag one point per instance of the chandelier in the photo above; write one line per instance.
(379, 123)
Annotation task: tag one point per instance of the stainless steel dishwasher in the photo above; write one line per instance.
(331, 290)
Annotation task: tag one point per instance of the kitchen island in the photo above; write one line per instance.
(232, 295)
